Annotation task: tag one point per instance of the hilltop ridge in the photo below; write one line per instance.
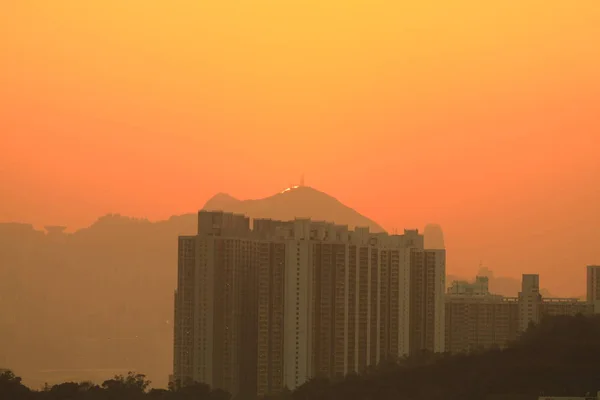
(293, 202)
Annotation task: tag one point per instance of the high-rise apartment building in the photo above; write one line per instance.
(260, 309)
(216, 282)
(530, 301)
(593, 287)
(427, 310)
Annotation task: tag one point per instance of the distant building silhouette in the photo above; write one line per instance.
(478, 319)
(478, 288)
(434, 237)
(260, 309)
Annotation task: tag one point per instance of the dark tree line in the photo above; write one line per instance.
(560, 356)
(130, 387)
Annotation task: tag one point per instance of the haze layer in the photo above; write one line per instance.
(479, 116)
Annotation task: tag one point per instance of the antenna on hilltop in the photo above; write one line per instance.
(302, 180)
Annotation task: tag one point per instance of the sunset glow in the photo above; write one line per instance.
(480, 116)
(290, 188)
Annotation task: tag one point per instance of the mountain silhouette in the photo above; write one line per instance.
(297, 201)
(99, 301)
(90, 304)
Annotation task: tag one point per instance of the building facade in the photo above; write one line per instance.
(530, 301)
(593, 287)
(260, 309)
(475, 322)
(427, 310)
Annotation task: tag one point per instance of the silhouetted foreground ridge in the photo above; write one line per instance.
(557, 357)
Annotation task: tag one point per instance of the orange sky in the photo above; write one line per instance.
(483, 116)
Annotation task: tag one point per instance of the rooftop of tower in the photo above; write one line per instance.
(226, 224)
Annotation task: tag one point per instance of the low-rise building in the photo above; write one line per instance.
(477, 319)
(566, 306)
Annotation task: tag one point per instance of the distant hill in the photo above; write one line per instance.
(100, 299)
(76, 305)
(298, 201)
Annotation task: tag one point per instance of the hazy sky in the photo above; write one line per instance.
(483, 116)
